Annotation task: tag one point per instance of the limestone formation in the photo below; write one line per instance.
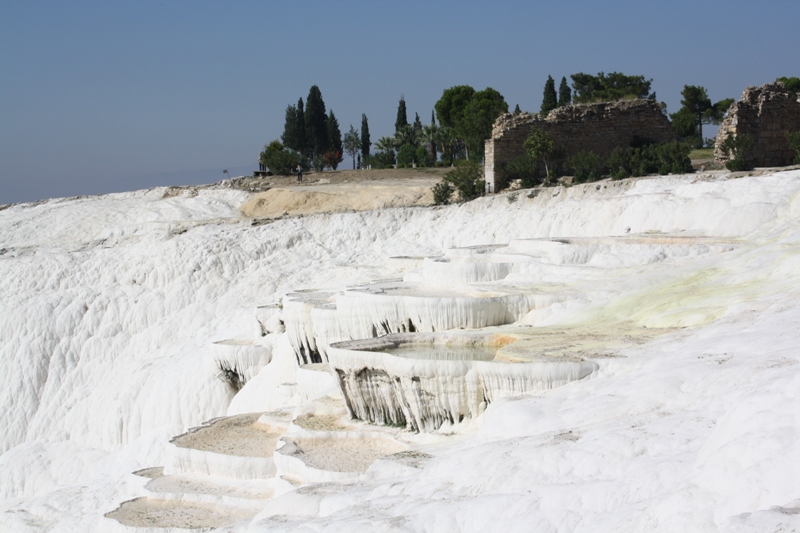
(765, 114)
(584, 127)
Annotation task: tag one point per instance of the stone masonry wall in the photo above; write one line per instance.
(583, 127)
(766, 114)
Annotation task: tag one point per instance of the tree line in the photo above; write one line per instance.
(312, 137)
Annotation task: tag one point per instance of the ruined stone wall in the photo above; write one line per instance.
(583, 127)
(766, 114)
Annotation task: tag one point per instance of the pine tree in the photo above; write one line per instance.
(517, 110)
(402, 119)
(365, 142)
(301, 139)
(564, 93)
(316, 122)
(335, 148)
(289, 136)
(550, 100)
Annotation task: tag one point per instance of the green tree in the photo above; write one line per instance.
(365, 142)
(316, 122)
(335, 148)
(402, 119)
(606, 88)
(517, 110)
(352, 144)
(696, 101)
(685, 124)
(301, 139)
(279, 159)
(289, 136)
(550, 99)
(451, 105)
(433, 117)
(697, 104)
(477, 119)
(540, 146)
(564, 93)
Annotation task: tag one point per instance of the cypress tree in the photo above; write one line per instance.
(289, 136)
(564, 93)
(334, 134)
(417, 124)
(402, 119)
(517, 110)
(301, 140)
(365, 142)
(316, 122)
(433, 117)
(335, 148)
(550, 100)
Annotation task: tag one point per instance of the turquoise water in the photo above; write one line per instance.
(444, 353)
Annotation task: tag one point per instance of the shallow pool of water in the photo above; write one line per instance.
(446, 353)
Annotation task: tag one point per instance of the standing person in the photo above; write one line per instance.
(299, 173)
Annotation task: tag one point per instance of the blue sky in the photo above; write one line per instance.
(108, 96)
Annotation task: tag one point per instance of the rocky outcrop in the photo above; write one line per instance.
(584, 127)
(766, 114)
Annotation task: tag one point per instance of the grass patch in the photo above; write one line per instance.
(702, 153)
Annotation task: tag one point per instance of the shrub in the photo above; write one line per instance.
(671, 157)
(738, 148)
(586, 167)
(620, 163)
(442, 193)
(318, 163)
(794, 142)
(467, 178)
(523, 168)
(662, 158)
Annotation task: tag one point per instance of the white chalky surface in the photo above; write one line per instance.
(110, 305)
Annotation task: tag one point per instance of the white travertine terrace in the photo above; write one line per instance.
(645, 376)
(423, 394)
